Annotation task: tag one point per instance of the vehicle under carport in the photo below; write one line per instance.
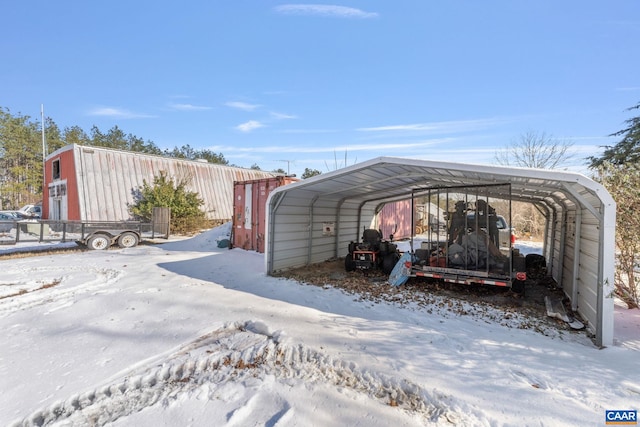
(314, 220)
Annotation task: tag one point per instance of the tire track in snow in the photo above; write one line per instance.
(73, 281)
(234, 353)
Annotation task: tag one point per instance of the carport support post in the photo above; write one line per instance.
(600, 290)
(563, 232)
(413, 220)
(576, 262)
(606, 214)
(310, 240)
(274, 204)
(606, 275)
(338, 229)
(545, 238)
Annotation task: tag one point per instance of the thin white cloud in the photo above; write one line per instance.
(628, 89)
(309, 131)
(117, 113)
(249, 126)
(242, 105)
(333, 148)
(281, 116)
(327, 10)
(442, 127)
(397, 128)
(188, 107)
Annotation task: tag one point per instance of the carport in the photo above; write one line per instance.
(314, 220)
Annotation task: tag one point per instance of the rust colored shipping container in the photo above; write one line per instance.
(249, 210)
(395, 218)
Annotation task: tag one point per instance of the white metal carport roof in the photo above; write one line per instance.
(579, 238)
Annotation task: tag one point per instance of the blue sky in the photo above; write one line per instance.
(296, 85)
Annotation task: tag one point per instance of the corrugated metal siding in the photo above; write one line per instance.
(324, 211)
(108, 179)
(300, 216)
(249, 211)
(355, 191)
(349, 229)
(587, 298)
(395, 218)
(569, 276)
(292, 250)
(554, 242)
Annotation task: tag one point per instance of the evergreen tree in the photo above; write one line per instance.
(190, 153)
(619, 171)
(185, 205)
(622, 182)
(75, 135)
(625, 151)
(308, 173)
(20, 160)
(53, 137)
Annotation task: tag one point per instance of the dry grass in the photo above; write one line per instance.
(55, 282)
(436, 296)
(29, 254)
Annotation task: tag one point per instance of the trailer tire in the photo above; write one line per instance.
(389, 262)
(98, 242)
(349, 263)
(517, 286)
(128, 239)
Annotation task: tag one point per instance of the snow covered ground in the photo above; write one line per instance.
(188, 334)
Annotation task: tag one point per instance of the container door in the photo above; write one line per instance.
(263, 190)
(239, 232)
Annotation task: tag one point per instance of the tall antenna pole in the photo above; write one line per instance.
(44, 149)
(288, 163)
(44, 144)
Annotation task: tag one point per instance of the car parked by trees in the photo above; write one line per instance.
(30, 211)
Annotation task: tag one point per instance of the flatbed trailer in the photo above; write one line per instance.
(470, 250)
(101, 235)
(96, 235)
(470, 277)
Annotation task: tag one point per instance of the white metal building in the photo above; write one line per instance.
(314, 220)
(100, 184)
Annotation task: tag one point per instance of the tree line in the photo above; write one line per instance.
(618, 169)
(21, 152)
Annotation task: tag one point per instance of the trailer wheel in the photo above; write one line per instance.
(98, 242)
(349, 263)
(389, 262)
(128, 240)
(517, 286)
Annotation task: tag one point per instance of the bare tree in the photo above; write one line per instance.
(535, 150)
(338, 164)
